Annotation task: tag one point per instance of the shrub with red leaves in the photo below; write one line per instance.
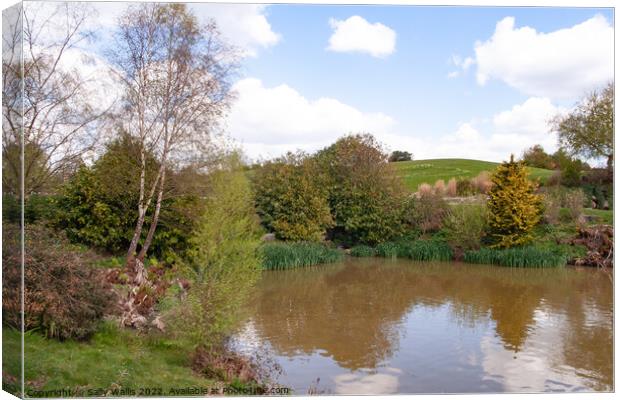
(64, 295)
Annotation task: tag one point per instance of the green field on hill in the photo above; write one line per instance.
(417, 172)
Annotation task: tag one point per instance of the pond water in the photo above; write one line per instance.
(374, 326)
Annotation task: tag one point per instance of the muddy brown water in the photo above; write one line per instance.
(375, 326)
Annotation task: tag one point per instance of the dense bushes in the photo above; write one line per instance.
(347, 190)
(465, 226)
(291, 198)
(514, 208)
(536, 157)
(425, 212)
(37, 207)
(292, 255)
(65, 296)
(366, 197)
(99, 205)
(517, 257)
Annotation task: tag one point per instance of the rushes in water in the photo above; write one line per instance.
(301, 254)
(517, 257)
(419, 250)
(362, 251)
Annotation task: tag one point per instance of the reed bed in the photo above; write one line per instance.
(301, 254)
(524, 257)
(419, 250)
(389, 250)
(430, 250)
(362, 251)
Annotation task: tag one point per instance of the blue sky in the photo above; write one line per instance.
(411, 83)
(475, 82)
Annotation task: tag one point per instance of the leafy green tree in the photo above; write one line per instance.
(536, 157)
(291, 198)
(223, 261)
(97, 206)
(366, 197)
(398, 155)
(588, 130)
(514, 208)
(570, 168)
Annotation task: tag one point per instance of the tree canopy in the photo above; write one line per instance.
(588, 130)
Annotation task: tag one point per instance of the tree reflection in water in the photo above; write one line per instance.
(355, 312)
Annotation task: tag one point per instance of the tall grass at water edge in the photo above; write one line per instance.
(528, 257)
(419, 250)
(301, 254)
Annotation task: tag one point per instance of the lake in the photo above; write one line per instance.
(375, 326)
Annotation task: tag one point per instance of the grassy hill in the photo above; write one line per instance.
(417, 172)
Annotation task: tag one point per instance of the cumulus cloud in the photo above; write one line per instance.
(268, 121)
(355, 34)
(559, 64)
(243, 25)
(509, 131)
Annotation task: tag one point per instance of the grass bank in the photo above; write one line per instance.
(600, 216)
(113, 359)
(280, 255)
(414, 173)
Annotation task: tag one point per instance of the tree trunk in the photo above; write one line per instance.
(151, 233)
(131, 252)
(610, 167)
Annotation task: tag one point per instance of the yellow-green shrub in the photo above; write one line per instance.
(223, 262)
(514, 208)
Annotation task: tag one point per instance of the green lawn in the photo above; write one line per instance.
(417, 172)
(113, 358)
(603, 216)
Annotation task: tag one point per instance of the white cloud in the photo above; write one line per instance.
(268, 121)
(243, 25)
(510, 132)
(465, 133)
(559, 64)
(355, 34)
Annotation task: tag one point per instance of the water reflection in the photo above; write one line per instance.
(391, 326)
